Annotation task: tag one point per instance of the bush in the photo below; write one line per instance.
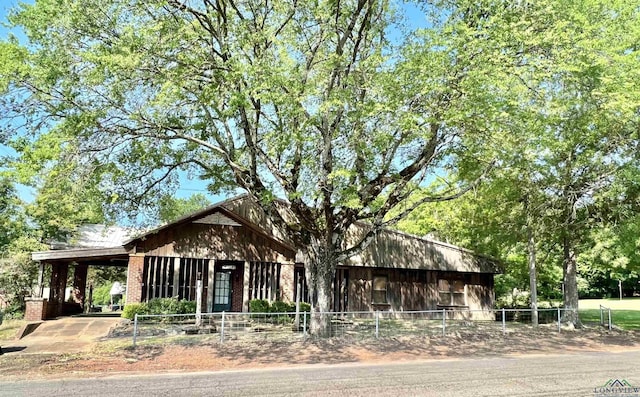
(132, 309)
(159, 306)
(164, 306)
(281, 307)
(259, 306)
(516, 299)
(186, 307)
(264, 306)
(15, 310)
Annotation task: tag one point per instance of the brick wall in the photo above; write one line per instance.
(134, 278)
(36, 309)
(237, 285)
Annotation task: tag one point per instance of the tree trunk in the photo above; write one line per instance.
(532, 276)
(570, 315)
(320, 271)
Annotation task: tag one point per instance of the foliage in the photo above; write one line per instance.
(131, 309)
(259, 306)
(171, 208)
(101, 275)
(339, 107)
(568, 166)
(159, 306)
(101, 294)
(313, 101)
(264, 306)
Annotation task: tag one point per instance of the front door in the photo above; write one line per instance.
(222, 292)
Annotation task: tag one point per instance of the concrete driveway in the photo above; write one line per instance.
(63, 335)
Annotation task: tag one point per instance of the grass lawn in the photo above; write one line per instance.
(625, 313)
(9, 329)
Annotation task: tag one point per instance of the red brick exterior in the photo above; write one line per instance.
(36, 309)
(134, 279)
(237, 290)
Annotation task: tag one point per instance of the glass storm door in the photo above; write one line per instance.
(222, 292)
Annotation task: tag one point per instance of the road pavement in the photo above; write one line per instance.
(580, 374)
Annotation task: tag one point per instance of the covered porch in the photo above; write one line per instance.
(57, 268)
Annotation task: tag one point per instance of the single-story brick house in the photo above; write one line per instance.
(240, 255)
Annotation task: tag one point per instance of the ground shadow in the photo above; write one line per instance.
(13, 349)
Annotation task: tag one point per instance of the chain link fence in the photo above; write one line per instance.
(358, 325)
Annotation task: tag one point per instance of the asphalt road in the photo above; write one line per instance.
(551, 375)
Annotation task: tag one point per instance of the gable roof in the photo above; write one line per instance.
(236, 211)
(390, 248)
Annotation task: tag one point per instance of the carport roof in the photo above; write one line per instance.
(81, 254)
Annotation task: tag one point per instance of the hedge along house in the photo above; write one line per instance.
(240, 255)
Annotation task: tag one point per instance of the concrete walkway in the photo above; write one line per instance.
(63, 335)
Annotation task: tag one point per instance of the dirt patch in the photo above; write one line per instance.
(207, 354)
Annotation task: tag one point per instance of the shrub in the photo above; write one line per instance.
(185, 307)
(164, 306)
(132, 309)
(264, 306)
(516, 299)
(281, 307)
(159, 306)
(259, 306)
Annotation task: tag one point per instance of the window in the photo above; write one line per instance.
(379, 292)
(451, 292)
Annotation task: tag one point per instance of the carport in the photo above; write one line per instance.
(95, 245)
(61, 263)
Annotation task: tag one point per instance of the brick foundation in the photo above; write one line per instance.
(36, 309)
(134, 279)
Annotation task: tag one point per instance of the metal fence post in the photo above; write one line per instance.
(610, 324)
(377, 323)
(222, 329)
(444, 322)
(304, 324)
(504, 322)
(135, 329)
(601, 317)
(559, 319)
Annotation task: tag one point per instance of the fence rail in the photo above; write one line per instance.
(605, 317)
(288, 326)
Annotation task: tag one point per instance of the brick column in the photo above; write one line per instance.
(134, 278)
(58, 286)
(80, 284)
(36, 309)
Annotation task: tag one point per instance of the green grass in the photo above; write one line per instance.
(625, 319)
(625, 313)
(9, 329)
